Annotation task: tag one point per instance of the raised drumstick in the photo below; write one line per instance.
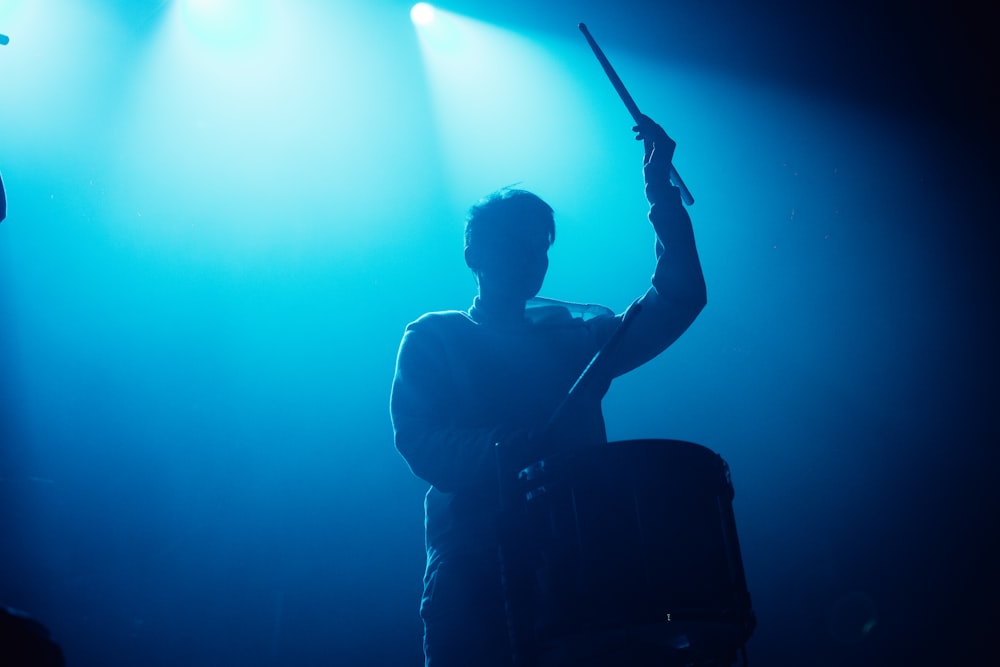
(630, 104)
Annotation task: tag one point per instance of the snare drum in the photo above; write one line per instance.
(637, 540)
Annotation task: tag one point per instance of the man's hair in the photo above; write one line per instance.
(507, 207)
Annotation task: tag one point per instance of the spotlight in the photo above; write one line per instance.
(422, 13)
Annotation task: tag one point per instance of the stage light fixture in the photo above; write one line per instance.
(422, 13)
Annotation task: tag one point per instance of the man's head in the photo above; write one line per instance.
(507, 238)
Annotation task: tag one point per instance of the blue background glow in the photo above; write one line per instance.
(222, 215)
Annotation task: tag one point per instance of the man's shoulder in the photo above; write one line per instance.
(435, 332)
(440, 320)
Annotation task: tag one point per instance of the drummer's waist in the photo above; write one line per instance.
(457, 525)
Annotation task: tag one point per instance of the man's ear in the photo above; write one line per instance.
(471, 258)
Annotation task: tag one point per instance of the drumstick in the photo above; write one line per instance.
(632, 107)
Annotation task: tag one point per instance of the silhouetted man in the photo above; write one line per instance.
(468, 380)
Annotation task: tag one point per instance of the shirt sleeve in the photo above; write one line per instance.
(677, 293)
(422, 404)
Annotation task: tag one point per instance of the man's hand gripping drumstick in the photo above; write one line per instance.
(642, 122)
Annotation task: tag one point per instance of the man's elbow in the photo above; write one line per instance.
(701, 301)
(687, 304)
(424, 462)
(697, 296)
(692, 306)
(686, 307)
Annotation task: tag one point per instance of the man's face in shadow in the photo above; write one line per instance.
(511, 261)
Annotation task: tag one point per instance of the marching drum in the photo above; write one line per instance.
(635, 542)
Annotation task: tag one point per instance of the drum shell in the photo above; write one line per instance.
(636, 534)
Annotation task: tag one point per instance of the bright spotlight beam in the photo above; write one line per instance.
(422, 13)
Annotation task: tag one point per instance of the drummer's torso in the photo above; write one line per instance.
(511, 380)
(513, 377)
